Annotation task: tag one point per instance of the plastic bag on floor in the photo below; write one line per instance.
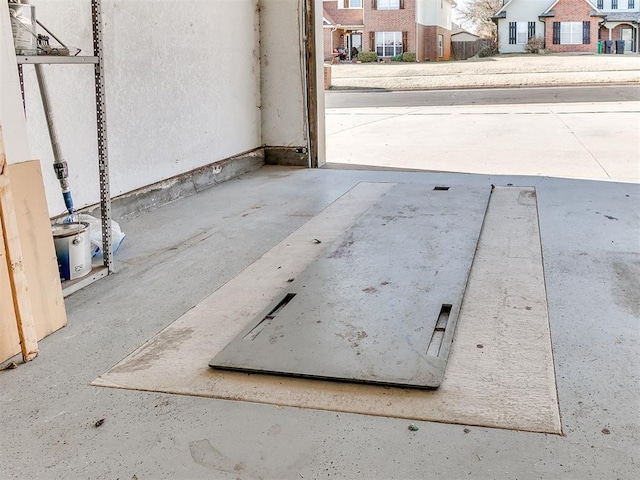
(95, 231)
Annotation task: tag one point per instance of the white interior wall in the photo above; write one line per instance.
(182, 89)
(11, 114)
(283, 106)
(186, 85)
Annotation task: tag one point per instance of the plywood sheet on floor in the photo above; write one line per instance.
(500, 371)
(39, 257)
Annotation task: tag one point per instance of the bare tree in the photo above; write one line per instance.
(477, 14)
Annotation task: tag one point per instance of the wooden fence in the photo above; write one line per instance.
(464, 50)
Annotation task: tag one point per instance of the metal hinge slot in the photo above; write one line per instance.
(438, 332)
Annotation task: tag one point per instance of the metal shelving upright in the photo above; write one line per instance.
(97, 61)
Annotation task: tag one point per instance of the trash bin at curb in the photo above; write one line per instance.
(599, 46)
(608, 46)
(619, 46)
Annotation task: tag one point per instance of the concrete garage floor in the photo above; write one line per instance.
(176, 256)
(508, 383)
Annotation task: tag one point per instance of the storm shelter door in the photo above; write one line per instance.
(381, 304)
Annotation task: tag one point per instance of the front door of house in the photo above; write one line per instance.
(356, 41)
(626, 34)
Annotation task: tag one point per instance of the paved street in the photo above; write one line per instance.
(484, 96)
(545, 132)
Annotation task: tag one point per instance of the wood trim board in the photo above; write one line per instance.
(500, 371)
(39, 258)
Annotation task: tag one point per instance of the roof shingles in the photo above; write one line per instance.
(622, 16)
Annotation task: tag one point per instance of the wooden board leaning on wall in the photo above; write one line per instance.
(39, 260)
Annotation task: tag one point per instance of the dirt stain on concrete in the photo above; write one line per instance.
(205, 454)
(344, 249)
(626, 285)
(169, 340)
(527, 197)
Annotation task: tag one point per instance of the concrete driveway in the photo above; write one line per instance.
(501, 70)
(590, 140)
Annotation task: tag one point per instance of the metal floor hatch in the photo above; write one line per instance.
(380, 306)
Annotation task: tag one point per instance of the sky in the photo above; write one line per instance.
(456, 18)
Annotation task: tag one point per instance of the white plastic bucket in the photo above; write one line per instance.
(23, 26)
(73, 249)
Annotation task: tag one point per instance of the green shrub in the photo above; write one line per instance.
(409, 57)
(534, 45)
(397, 58)
(488, 51)
(365, 57)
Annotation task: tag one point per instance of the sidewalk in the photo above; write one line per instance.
(499, 71)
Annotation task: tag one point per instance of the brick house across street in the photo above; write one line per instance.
(388, 27)
(569, 25)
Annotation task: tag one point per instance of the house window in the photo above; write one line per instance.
(349, 3)
(632, 4)
(388, 44)
(571, 33)
(600, 4)
(521, 33)
(388, 4)
(614, 4)
(440, 46)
